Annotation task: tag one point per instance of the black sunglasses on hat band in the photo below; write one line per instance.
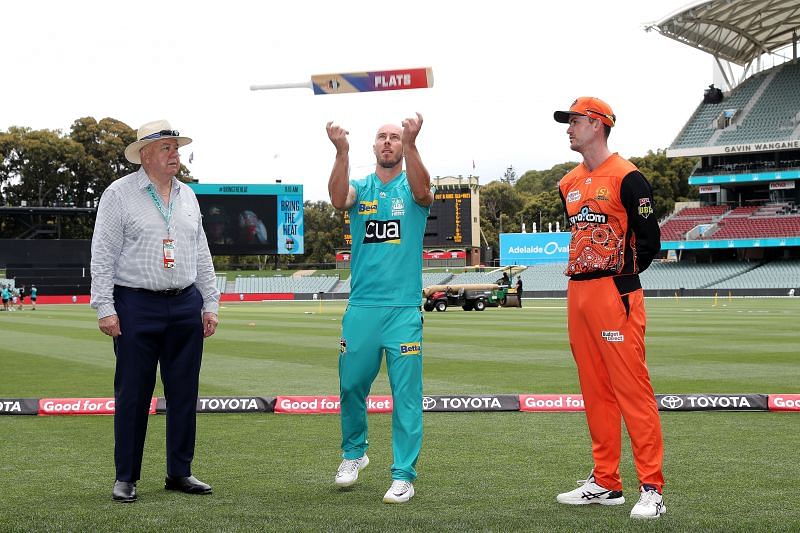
(162, 133)
(612, 118)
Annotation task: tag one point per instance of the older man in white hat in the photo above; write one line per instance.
(154, 289)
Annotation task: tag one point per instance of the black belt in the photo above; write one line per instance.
(165, 292)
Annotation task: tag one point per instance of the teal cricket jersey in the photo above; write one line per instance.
(387, 228)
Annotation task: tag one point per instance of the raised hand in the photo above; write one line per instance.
(411, 127)
(338, 137)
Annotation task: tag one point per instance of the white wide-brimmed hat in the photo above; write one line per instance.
(151, 132)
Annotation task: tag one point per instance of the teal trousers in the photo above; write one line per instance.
(367, 334)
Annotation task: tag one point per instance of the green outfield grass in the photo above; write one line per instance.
(478, 471)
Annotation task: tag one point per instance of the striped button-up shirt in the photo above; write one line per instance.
(128, 244)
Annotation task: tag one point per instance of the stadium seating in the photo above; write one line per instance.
(741, 212)
(701, 126)
(667, 276)
(766, 110)
(474, 277)
(435, 278)
(776, 274)
(545, 277)
(772, 115)
(288, 284)
(676, 226)
(550, 278)
(663, 275)
(748, 222)
(757, 227)
(671, 276)
(343, 287)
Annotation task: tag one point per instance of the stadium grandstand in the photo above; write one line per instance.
(745, 229)
(742, 236)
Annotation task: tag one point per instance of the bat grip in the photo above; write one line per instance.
(298, 85)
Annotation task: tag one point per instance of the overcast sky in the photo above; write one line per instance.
(500, 68)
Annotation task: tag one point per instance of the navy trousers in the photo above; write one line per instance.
(163, 329)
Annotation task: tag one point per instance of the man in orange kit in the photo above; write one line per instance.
(615, 235)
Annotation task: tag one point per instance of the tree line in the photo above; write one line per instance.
(50, 168)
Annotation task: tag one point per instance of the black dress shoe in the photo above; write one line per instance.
(189, 485)
(124, 492)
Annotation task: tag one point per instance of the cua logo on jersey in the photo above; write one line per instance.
(410, 348)
(376, 231)
(368, 208)
(645, 207)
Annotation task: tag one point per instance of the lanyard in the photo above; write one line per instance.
(165, 213)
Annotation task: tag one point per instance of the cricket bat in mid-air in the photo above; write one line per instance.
(361, 82)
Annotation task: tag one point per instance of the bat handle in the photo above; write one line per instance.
(298, 85)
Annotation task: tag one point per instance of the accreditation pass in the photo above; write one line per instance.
(169, 253)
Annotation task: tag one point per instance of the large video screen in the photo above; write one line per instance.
(251, 219)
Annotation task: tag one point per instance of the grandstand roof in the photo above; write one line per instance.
(737, 31)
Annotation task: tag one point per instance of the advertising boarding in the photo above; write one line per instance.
(534, 248)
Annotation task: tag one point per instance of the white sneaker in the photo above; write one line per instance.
(591, 492)
(650, 504)
(400, 492)
(347, 474)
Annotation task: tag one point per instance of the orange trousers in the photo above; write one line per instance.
(606, 334)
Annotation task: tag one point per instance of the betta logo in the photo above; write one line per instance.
(410, 348)
(368, 208)
(377, 231)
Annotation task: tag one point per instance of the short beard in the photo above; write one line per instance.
(389, 164)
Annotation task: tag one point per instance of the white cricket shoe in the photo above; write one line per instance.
(650, 504)
(347, 474)
(591, 492)
(400, 492)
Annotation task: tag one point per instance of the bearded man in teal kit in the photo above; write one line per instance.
(388, 213)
